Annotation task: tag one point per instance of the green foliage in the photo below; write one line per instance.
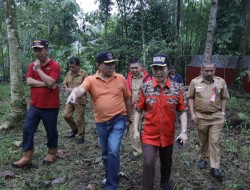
(229, 26)
(230, 146)
(239, 105)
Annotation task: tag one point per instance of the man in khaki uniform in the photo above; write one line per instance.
(73, 79)
(207, 98)
(135, 78)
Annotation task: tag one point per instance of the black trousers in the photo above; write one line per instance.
(149, 155)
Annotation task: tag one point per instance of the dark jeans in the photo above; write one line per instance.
(149, 154)
(110, 135)
(33, 118)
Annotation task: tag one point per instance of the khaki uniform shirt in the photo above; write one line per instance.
(207, 96)
(74, 80)
(136, 84)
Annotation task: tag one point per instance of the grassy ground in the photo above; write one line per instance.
(82, 169)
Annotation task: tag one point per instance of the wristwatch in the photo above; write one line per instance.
(130, 122)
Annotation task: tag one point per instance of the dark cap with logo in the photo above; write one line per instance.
(105, 57)
(160, 59)
(40, 43)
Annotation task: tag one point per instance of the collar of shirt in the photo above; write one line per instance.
(205, 81)
(98, 75)
(155, 83)
(73, 74)
(134, 77)
(47, 64)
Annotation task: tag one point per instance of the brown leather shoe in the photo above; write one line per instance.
(51, 156)
(25, 161)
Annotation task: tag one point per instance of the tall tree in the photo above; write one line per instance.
(210, 32)
(244, 37)
(18, 107)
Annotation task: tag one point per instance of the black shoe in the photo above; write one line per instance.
(216, 173)
(80, 141)
(134, 157)
(167, 186)
(202, 164)
(71, 134)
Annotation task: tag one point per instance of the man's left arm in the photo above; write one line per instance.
(183, 119)
(183, 134)
(223, 105)
(224, 98)
(128, 108)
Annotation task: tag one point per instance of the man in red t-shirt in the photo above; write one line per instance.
(159, 99)
(42, 77)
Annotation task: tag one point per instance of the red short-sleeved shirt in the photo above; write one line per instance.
(160, 106)
(43, 97)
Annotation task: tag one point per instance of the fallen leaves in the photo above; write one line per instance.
(7, 174)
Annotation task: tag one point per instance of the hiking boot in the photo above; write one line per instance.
(25, 161)
(51, 156)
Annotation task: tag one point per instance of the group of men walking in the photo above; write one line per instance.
(143, 104)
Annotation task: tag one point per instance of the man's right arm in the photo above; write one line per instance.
(35, 83)
(191, 109)
(137, 118)
(76, 92)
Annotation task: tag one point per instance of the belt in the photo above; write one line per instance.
(207, 112)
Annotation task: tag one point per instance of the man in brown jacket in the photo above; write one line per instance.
(73, 79)
(207, 98)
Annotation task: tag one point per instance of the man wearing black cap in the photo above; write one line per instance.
(159, 99)
(112, 108)
(42, 77)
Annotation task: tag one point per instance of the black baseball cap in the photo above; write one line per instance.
(40, 43)
(105, 57)
(160, 59)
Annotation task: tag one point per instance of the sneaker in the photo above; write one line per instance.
(103, 183)
(71, 134)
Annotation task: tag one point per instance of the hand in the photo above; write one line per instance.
(68, 90)
(37, 65)
(53, 86)
(72, 98)
(136, 136)
(183, 137)
(194, 118)
(128, 127)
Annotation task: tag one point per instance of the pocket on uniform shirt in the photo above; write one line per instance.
(199, 89)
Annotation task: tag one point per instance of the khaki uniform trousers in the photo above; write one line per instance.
(79, 122)
(135, 145)
(209, 128)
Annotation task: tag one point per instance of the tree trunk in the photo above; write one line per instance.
(18, 106)
(143, 32)
(210, 32)
(244, 39)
